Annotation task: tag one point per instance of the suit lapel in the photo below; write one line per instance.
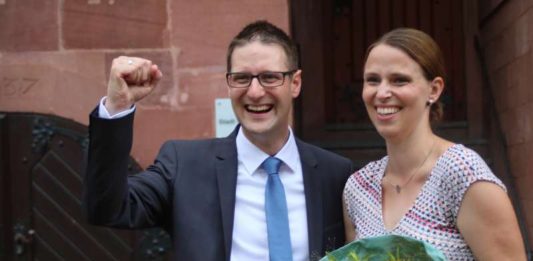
(313, 199)
(226, 171)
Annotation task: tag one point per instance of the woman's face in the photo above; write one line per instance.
(395, 93)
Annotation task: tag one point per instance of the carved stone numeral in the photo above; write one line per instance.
(8, 86)
(27, 84)
(16, 86)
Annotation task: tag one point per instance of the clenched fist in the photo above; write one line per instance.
(130, 80)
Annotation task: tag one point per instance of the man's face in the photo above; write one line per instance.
(263, 112)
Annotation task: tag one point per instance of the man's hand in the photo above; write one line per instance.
(131, 79)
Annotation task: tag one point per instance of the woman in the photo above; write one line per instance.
(426, 187)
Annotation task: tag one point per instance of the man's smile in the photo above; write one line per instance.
(263, 108)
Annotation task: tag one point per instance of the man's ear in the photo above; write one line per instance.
(227, 85)
(437, 87)
(296, 83)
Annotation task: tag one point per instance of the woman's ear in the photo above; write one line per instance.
(437, 86)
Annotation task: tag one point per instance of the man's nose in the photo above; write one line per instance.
(255, 90)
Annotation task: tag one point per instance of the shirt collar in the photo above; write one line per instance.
(252, 157)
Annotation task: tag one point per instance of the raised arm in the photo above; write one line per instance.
(110, 197)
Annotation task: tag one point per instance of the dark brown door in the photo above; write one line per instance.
(42, 160)
(333, 36)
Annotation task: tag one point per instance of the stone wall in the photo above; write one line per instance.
(507, 41)
(55, 57)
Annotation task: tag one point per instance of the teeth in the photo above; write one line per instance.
(387, 110)
(258, 108)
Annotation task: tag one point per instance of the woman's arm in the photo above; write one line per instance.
(487, 221)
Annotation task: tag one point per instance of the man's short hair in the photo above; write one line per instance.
(266, 33)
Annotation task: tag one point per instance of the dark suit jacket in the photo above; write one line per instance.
(189, 190)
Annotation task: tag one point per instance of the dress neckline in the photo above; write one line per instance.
(422, 191)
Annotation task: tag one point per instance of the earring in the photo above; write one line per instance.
(429, 102)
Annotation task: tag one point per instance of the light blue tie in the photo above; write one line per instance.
(279, 236)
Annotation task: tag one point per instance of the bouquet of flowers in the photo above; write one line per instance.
(386, 248)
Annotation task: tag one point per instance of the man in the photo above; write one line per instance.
(259, 194)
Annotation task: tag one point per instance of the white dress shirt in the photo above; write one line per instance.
(250, 241)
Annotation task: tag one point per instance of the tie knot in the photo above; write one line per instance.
(271, 165)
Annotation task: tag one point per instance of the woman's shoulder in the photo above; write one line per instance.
(369, 174)
(458, 157)
(459, 168)
(463, 166)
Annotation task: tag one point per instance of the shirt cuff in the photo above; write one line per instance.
(104, 114)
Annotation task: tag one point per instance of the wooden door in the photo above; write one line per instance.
(42, 161)
(333, 37)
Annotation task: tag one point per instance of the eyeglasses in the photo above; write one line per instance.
(266, 79)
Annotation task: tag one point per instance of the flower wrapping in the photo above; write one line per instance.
(386, 248)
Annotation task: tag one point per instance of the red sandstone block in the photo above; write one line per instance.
(505, 99)
(65, 84)
(526, 203)
(505, 120)
(530, 22)
(517, 127)
(498, 81)
(90, 24)
(525, 198)
(525, 195)
(202, 29)
(519, 35)
(524, 122)
(528, 124)
(520, 72)
(28, 25)
(509, 12)
(494, 56)
(487, 7)
(163, 96)
(153, 127)
(528, 220)
(520, 156)
(508, 46)
(529, 74)
(511, 71)
(198, 88)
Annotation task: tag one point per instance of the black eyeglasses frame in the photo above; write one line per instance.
(229, 74)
